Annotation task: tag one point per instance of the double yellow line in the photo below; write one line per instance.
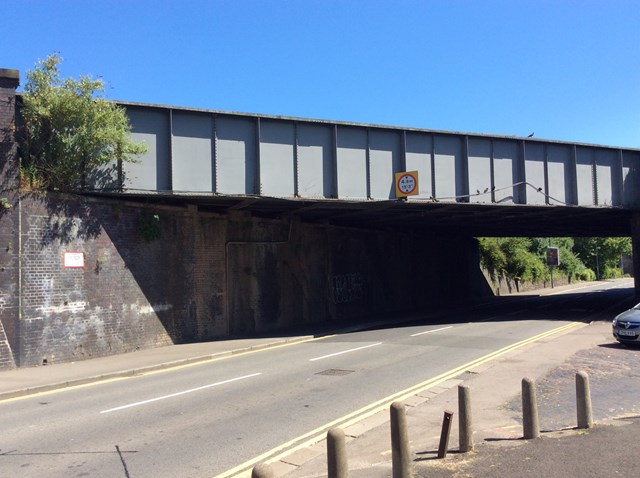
(319, 434)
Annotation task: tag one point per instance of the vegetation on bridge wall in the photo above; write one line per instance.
(70, 137)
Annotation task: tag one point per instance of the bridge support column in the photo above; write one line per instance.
(635, 243)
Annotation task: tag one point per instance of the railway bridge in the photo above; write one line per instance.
(344, 174)
(237, 224)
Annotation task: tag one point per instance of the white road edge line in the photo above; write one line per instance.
(430, 331)
(180, 393)
(344, 352)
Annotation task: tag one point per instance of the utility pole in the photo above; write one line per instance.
(550, 266)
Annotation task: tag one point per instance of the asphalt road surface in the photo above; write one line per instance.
(205, 419)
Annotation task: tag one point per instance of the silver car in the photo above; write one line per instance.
(626, 326)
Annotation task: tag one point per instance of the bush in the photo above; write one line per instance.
(587, 275)
(611, 273)
(68, 132)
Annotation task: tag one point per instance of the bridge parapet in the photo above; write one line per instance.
(211, 152)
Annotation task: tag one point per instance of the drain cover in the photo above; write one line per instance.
(335, 371)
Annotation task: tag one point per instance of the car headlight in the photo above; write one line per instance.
(615, 322)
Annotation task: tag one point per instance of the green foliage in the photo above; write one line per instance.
(68, 130)
(5, 204)
(524, 259)
(587, 275)
(492, 258)
(603, 253)
(611, 273)
(570, 263)
(511, 258)
(149, 227)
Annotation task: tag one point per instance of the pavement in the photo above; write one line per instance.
(563, 450)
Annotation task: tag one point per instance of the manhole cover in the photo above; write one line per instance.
(335, 371)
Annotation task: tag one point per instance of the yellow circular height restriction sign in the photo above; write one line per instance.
(406, 184)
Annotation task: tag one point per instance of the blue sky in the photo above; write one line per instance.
(566, 70)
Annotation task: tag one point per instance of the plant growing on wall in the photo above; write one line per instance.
(69, 131)
(149, 227)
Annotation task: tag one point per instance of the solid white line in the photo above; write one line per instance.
(344, 352)
(180, 393)
(430, 331)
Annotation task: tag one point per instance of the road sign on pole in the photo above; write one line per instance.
(553, 256)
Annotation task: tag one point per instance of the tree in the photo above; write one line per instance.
(521, 259)
(492, 258)
(511, 258)
(603, 254)
(69, 131)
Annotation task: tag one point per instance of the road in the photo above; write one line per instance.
(205, 419)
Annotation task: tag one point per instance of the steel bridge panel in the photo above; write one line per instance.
(534, 166)
(315, 161)
(352, 163)
(418, 158)
(277, 162)
(236, 155)
(384, 162)
(152, 171)
(448, 166)
(200, 151)
(104, 178)
(609, 184)
(192, 168)
(585, 165)
(505, 164)
(480, 180)
(558, 164)
(630, 178)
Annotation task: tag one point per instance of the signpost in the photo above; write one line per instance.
(553, 259)
(553, 256)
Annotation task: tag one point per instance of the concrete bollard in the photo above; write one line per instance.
(336, 454)
(465, 426)
(530, 423)
(262, 470)
(583, 400)
(400, 454)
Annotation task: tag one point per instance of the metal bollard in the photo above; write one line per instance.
(400, 455)
(262, 470)
(583, 400)
(529, 409)
(465, 427)
(444, 435)
(336, 454)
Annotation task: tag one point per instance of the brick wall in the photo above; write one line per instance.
(9, 305)
(130, 294)
(268, 274)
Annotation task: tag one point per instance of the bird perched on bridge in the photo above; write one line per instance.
(531, 135)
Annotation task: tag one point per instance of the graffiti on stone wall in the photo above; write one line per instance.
(346, 287)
